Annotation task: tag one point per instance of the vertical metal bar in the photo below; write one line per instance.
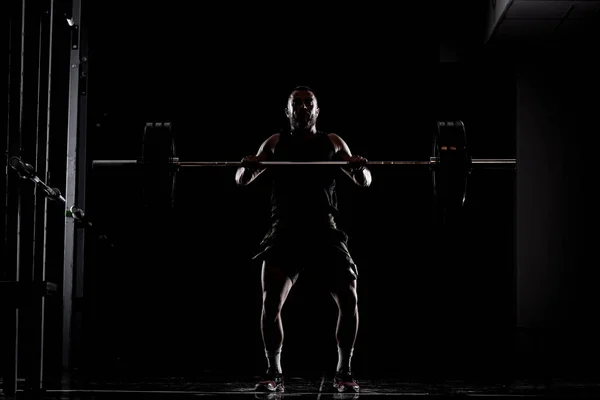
(77, 337)
(13, 195)
(70, 189)
(29, 117)
(46, 17)
(82, 166)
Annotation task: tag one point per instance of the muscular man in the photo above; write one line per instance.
(303, 234)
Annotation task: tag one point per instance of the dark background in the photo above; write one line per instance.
(508, 291)
(182, 292)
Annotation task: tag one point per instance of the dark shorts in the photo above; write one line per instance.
(317, 248)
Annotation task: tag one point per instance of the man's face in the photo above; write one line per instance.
(302, 110)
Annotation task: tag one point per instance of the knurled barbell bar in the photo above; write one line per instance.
(484, 162)
(450, 163)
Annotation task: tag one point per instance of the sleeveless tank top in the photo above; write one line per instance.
(303, 193)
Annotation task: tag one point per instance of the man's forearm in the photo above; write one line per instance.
(244, 176)
(362, 177)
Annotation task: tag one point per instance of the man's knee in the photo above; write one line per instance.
(346, 296)
(272, 305)
(276, 286)
(349, 303)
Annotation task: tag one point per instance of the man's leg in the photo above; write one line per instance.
(346, 297)
(276, 286)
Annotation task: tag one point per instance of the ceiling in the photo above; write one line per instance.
(542, 20)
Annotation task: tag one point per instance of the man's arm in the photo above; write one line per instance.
(356, 169)
(248, 173)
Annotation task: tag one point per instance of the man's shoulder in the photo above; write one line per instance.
(336, 140)
(338, 143)
(270, 142)
(273, 139)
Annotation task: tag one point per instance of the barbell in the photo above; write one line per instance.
(484, 162)
(450, 164)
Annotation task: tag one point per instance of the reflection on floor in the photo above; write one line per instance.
(318, 386)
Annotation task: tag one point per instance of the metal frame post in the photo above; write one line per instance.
(82, 169)
(42, 166)
(73, 238)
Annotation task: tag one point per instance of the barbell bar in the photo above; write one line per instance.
(503, 163)
(450, 164)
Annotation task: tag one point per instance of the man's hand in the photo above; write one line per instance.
(249, 170)
(358, 171)
(251, 163)
(357, 163)
(251, 167)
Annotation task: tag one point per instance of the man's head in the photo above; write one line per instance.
(302, 109)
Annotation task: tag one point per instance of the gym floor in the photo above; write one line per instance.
(316, 386)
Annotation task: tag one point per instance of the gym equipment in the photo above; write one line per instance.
(450, 164)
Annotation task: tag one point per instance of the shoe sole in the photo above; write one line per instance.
(265, 389)
(346, 389)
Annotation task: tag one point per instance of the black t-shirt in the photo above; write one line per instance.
(303, 192)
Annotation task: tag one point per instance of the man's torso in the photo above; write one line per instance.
(303, 192)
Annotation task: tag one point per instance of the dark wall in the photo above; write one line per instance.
(556, 276)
